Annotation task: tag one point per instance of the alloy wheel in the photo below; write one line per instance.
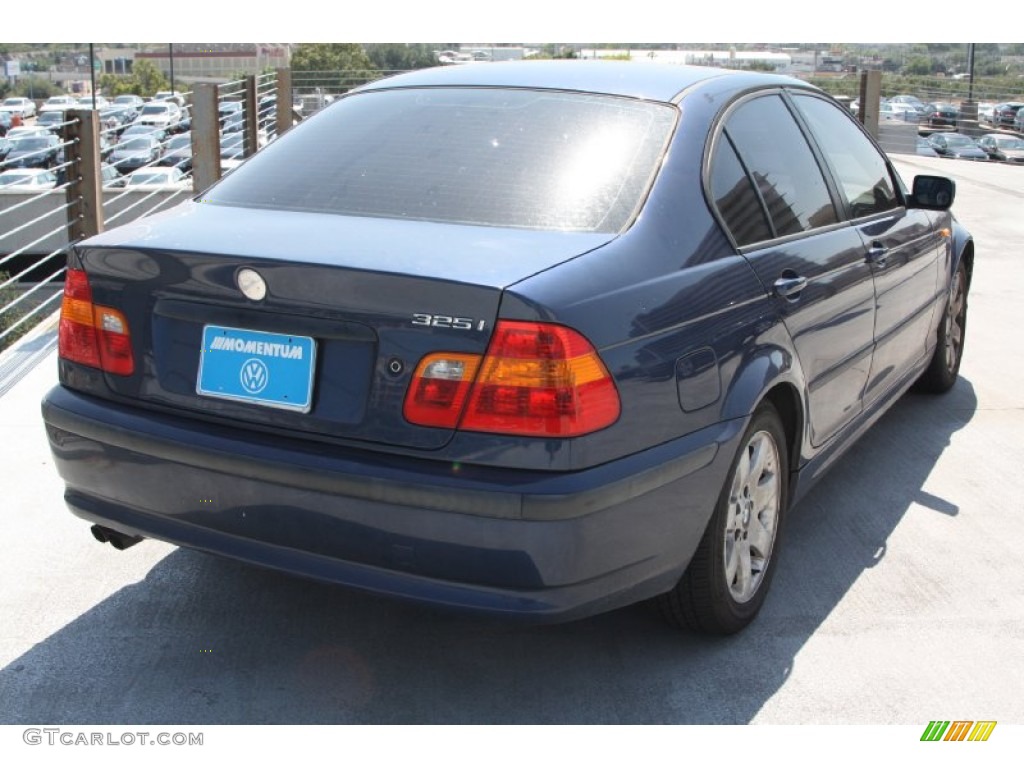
(752, 516)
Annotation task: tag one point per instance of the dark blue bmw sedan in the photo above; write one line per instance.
(530, 339)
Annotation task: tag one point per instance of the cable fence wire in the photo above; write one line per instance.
(9, 307)
(14, 278)
(929, 89)
(165, 202)
(316, 89)
(25, 225)
(152, 193)
(28, 246)
(13, 321)
(33, 199)
(10, 322)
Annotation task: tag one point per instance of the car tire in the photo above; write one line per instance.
(727, 580)
(942, 371)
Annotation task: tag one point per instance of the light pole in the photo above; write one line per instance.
(170, 48)
(92, 75)
(970, 70)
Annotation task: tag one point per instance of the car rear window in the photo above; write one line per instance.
(494, 157)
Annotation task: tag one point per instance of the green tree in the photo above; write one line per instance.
(330, 57)
(145, 80)
(36, 88)
(149, 78)
(332, 68)
(918, 65)
(402, 56)
(551, 51)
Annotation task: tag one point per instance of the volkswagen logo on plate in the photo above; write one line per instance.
(254, 376)
(251, 284)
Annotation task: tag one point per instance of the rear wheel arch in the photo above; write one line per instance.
(773, 376)
(966, 257)
(788, 404)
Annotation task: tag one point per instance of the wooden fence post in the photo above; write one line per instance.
(85, 193)
(205, 137)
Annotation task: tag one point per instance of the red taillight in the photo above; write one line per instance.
(91, 334)
(536, 379)
(76, 339)
(439, 388)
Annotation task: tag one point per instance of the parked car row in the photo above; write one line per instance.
(141, 148)
(137, 136)
(33, 179)
(944, 114)
(991, 146)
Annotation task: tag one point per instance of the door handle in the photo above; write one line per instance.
(877, 254)
(790, 287)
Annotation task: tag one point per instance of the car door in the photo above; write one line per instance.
(774, 199)
(901, 245)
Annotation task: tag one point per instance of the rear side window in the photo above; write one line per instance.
(496, 157)
(859, 168)
(778, 158)
(736, 197)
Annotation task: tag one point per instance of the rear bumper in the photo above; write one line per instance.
(544, 546)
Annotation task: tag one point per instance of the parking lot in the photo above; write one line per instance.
(898, 597)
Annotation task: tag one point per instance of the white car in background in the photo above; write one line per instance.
(156, 178)
(27, 180)
(175, 97)
(58, 104)
(160, 114)
(23, 131)
(19, 104)
(89, 102)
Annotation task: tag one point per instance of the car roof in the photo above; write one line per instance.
(645, 80)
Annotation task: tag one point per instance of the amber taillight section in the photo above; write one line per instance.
(91, 334)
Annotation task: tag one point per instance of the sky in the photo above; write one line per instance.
(733, 21)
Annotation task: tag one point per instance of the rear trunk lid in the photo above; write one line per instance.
(351, 305)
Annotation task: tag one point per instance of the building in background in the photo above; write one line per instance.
(217, 61)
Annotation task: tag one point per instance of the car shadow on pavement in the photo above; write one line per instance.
(207, 640)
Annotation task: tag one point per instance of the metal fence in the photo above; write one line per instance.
(21, 307)
(110, 171)
(315, 90)
(930, 89)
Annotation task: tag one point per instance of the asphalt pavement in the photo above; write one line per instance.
(898, 599)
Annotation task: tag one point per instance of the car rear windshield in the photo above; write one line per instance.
(494, 157)
(142, 143)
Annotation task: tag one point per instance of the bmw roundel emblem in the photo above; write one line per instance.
(251, 284)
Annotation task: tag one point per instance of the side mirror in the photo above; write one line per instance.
(934, 193)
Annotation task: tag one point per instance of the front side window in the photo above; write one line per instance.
(860, 170)
(777, 156)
